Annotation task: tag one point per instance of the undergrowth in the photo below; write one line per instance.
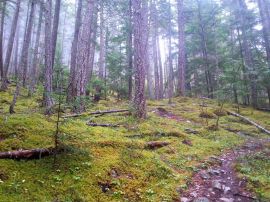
(112, 164)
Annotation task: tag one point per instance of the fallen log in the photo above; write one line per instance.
(156, 145)
(95, 113)
(27, 154)
(250, 122)
(103, 125)
(264, 109)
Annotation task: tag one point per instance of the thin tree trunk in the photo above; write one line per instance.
(140, 48)
(266, 27)
(154, 46)
(129, 50)
(102, 45)
(181, 47)
(161, 80)
(16, 52)
(170, 80)
(3, 14)
(249, 63)
(55, 28)
(35, 58)
(10, 45)
(208, 76)
(24, 56)
(92, 45)
(71, 84)
(47, 97)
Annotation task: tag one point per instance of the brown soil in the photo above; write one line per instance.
(220, 182)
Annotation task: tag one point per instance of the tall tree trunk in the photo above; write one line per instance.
(170, 80)
(248, 59)
(208, 76)
(140, 48)
(35, 58)
(154, 46)
(3, 14)
(101, 44)
(101, 61)
(92, 45)
(129, 50)
(161, 76)
(48, 83)
(181, 48)
(74, 48)
(266, 27)
(24, 55)
(10, 45)
(55, 28)
(84, 56)
(16, 59)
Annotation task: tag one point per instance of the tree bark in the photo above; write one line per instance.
(74, 49)
(266, 27)
(129, 50)
(83, 59)
(161, 79)
(181, 48)
(101, 44)
(140, 50)
(97, 112)
(250, 122)
(3, 14)
(47, 96)
(27, 154)
(170, 79)
(10, 45)
(24, 56)
(36, 49)
(55, 28)
(154, 46)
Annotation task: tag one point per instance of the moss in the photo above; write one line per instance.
(91, 153)
(256, 168)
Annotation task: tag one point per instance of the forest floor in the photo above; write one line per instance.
(199, 161)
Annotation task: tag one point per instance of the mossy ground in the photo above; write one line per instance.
(256, 168)
(112, 159)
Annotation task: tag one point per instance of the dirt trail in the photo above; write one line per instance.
(220, 183)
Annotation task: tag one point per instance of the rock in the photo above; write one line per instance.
(205, 175)
(226, 200)
(216, 184)
(214, 172)
(184, 199)
(187, 142)
(226, 189)
(201, 199)
(191, 131)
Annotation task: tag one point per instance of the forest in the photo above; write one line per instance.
(134, 100)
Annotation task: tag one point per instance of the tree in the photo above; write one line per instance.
(154, 47)
(55, 27)
(3, 14)
(140, 48)
(48, 74)
(181, 48)
(36, 50)
(74, 48)
(83, 56)
(10, 45)
(247, 53)
(24, 55)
